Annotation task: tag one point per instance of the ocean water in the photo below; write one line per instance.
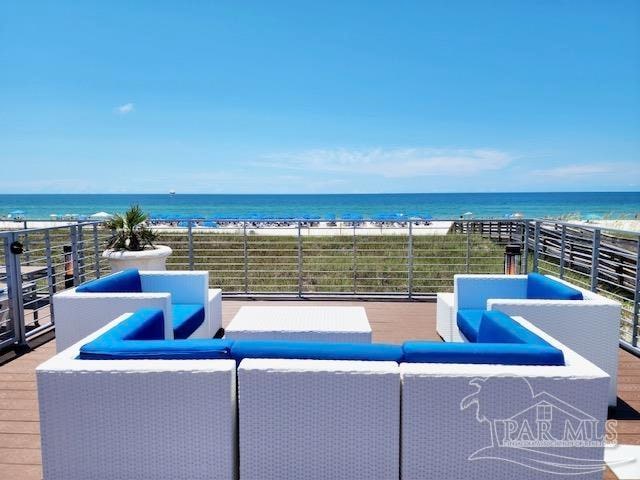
(437, 205)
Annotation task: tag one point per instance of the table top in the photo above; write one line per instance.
(300, 319)
(26, 269)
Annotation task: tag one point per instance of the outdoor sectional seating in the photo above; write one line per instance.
(191, 309)
(305, 409)
(586, 322)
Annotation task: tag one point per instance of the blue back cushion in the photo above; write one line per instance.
(468, 321)
(540, 287)
(187, 317)
(144, 324)
(315, 350)
(497, 327)
(481, 353)
(125, 281)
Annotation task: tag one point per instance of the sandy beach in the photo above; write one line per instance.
(437, 227)
(622, 224)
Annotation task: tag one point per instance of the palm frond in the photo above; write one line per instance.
(130, 231)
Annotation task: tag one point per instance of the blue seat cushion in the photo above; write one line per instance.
(315, 350)
(125, 281)
(468, 321)
(540, 287)
(193, 349)
(497, 327)
(187, 317)
(141, 336)
(481, 353)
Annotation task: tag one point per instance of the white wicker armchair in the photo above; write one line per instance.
(147, 419)
(77, 314)
(591, 327)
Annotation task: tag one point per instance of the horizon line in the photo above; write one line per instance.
(329, 193)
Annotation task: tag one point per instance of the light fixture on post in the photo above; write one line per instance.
(512, 257)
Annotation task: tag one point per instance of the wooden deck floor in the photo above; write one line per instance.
(390, 321)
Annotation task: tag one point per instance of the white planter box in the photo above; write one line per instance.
(152, 259)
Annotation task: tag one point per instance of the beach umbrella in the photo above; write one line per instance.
(330, 217)
(17, 212)
(101, 216)
(382, 217)
(210, 224)
(351, 217)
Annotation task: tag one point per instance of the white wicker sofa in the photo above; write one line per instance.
(125, 419)
(82, 310)
(126, 403)
(590, 326)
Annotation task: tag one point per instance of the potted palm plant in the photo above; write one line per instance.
(132, 243)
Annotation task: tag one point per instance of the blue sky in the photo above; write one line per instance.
(319, 97)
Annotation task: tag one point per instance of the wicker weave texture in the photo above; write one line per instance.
(155, 425)
(444, 314)
(438, 437)
(313, 419)
(315, 324)
(590, 329)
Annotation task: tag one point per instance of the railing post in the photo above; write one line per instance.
(595, 257)
(525, 249)
(468, 254)
(190, 237)
(74, 253)
(353, 260)
(636, 298)
(536, 246)
(80, 253)
(410, 261)
(246, 261)
(50, 273)
(563, 238)
(14, 286)
(299, 261)
(96, 250)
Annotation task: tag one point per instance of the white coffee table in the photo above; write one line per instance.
(309, 324)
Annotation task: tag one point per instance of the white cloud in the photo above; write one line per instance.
(125, 109)
(394, 162)
(576, 170)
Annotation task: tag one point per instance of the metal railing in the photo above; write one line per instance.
(301, 258)
(38, 262)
